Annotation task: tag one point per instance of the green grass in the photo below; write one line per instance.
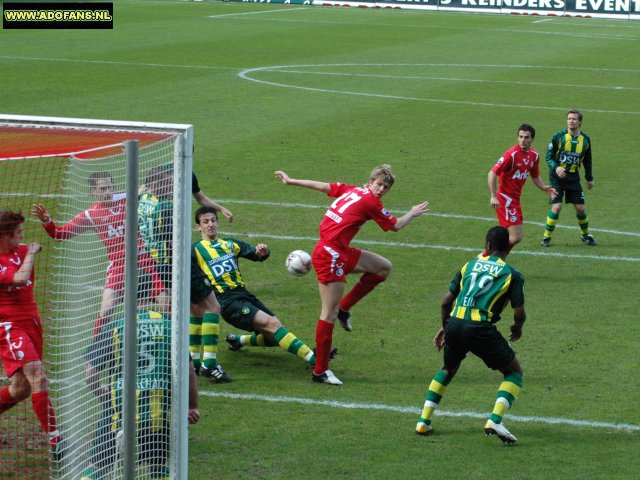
(444, 96)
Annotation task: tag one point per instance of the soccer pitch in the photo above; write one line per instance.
(327, 94)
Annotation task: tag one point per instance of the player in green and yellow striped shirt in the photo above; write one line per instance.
(476, 297)
(153, 390)
(569, 148)
(218, 259)
(104, 370)
(155, 220)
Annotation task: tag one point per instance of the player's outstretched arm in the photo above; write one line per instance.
(205, 201)
(416, 211)
(77, 225)
(312, 184)
(41, 213)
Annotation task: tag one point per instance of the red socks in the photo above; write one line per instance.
(324, 338)
(367, 282)
(44, 411)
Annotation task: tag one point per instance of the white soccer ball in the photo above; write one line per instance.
(298, 263)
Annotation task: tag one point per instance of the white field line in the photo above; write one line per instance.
(249, 75)
(628, 427)
(323, 207)
(275, 67)
(430, 214)
(255, 12)
(246, 74)
(541, 253)
(447, 79)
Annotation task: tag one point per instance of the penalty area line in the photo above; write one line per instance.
(416, 411)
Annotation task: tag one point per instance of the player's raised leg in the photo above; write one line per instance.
(375, 269)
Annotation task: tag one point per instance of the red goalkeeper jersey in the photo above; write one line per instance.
(351, 209)
(15, 301)
(107, 219)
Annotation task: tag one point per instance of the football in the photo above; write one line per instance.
(298, 263)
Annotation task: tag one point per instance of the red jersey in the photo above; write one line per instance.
(15, 301)
(513, 169)
(106, 219)
(352, 208)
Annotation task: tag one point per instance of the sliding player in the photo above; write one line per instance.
(218, 259)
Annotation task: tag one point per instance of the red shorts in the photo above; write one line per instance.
(509, 212)
(332, 264)
(20, 342)
(115, 276)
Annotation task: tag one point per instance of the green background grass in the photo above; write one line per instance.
(445, 94)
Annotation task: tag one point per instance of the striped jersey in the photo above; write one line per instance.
(570, 152)
(155, 222)
(483, 286)
(153, 371)
(218, 259)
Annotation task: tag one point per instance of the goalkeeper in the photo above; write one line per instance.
(106, 216)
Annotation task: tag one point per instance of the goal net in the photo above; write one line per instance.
(109, 202)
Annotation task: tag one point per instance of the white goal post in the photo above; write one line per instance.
(105, 379)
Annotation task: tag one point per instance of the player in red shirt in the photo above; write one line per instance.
(512, 170)
(21, 330)
(333, 258)
(107, 218)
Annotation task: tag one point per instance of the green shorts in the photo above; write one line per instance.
(200, 285)
(239, 306)
(482, 339)
(569, 190)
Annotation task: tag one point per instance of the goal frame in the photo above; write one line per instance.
(181, 261)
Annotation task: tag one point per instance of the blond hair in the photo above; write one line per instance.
(386, 172)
